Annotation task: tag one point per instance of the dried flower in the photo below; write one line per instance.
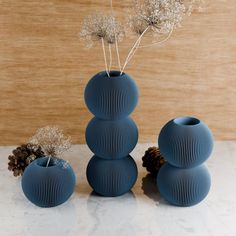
(99, 26)
(115, 31)
(161, 16)
(52, 141)
(103, 28)
(94, 29)
(61, 163)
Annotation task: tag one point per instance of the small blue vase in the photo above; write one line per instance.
(111, 178)
(185, 142)
(111, 98)
(48, 186)
(111, 139)
(183, 187)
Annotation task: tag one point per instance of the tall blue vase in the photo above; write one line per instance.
(185, 142)
(111, 135)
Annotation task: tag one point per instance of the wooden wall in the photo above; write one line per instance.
(44, 69)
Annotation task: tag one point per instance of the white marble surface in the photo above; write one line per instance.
(140, 212)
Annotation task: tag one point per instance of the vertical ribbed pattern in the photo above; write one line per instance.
(111, 98)
(111, 139)
(185, 146)
(111, 177)
(47, 187)
(184, 181)
(183, 187)
(111, 134)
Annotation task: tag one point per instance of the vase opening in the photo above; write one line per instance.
(115, 73)
(186, 121)
(42, 162)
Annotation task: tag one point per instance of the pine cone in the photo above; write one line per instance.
(153, 160)
(22, 157)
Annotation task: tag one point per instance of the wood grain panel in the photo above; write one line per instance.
(44, 69)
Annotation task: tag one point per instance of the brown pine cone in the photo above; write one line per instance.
(153, 160)
(22, 157)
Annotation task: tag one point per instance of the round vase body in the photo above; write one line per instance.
(111, 178)
(111, 139)
(183, 187)
(48, 186)
(185, 142)
(111, 98)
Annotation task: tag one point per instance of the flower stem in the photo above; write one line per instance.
(49, 158)
(104, 54)
(159, 42)
(118, 54)
(133, 48)
(110, 57)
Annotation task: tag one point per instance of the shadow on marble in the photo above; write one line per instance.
(150, 189)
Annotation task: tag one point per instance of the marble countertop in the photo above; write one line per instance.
(140, 212)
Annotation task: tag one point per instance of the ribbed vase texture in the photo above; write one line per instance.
(185, 142)
(112, 177)
(48, 186)
(111, 135)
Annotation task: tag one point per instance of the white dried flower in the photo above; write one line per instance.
(52, 141)
(93, 29)
(114, 30)
(161, 16)
(99, 26)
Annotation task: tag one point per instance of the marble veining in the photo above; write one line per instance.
(140, 212)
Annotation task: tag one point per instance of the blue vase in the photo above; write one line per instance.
(111, 134)
(111, 178)
(183, 187)
(111, 98)
(185, 142)
(111, 139)
(48, 186)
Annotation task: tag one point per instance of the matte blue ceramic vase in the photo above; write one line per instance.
(111, 139)
(112, 178)
(183, 187)
(185, 142)
(48, 186)
(111, 134)
(111, 98)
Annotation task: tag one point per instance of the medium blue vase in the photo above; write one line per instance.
(185, 142)
(111, 98)
(112, 178)
(111, 134)
(111, 139)
(48, 186)
(183, 187)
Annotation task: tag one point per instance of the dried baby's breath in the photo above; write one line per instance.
(99, 26)
(94, 29)
(114, 31)
(161, 16)
(104, 28)
(52, 141)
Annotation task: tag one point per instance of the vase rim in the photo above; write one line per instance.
(186, 121)
(113, 74)
(41, 162)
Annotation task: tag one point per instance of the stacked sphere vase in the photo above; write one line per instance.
(186, 143)
(111, 134)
